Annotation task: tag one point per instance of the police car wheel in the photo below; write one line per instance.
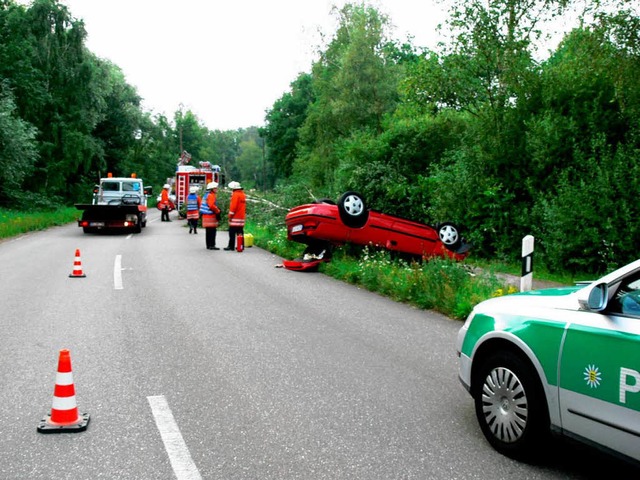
(510, 405)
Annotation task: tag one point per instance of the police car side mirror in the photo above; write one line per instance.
(594, 297)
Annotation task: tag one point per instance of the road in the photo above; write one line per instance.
(217, 365)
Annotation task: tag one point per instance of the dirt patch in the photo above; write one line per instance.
(536, 284)
(514, 280)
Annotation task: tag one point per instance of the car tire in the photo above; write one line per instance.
(510, 405)
(137, 228)
(353, 210)
(449, 235)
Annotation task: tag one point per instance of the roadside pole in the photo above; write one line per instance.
(526, 280)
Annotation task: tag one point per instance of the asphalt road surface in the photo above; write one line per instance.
(214, 364)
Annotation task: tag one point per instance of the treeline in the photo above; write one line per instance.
(68, 117)
(481, 132)
(487, 131)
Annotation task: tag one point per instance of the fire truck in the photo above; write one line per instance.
(188, 176)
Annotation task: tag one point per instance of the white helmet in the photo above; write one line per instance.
(212, 185)
(193, 189)
(166, 185)
(234, 186)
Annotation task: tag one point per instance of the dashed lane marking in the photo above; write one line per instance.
(179, 455)
(117, 273)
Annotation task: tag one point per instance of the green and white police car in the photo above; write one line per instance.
(563, 361)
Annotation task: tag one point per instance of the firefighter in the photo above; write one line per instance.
(165, 202)
(193, 209)
(210, 215)
(237, 213)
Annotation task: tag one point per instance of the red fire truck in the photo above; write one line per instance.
(188, 176)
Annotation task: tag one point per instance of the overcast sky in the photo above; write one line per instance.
(227, 61)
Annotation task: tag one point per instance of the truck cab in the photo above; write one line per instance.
(110, 191)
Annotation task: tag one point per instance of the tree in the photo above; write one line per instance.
(18, 151)
(355, 87)
(250, 164)
(284, 120)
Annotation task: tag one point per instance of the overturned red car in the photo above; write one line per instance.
(324, 224)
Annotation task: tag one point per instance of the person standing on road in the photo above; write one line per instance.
(193, 209)
(164, 203)
(237, 213)
(210, 215)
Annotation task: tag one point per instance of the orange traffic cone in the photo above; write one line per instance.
(77, 266)
(64, 415)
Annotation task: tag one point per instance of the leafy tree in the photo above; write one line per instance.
(585, 135)
(355, 86)
(250, 164)
(284, 120)
(18, 151)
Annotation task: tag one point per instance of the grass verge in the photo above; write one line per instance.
(443, 285)
(13, 223)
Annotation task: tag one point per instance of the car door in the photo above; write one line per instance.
(599, 373)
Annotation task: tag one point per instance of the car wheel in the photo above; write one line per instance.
(510, 405)
(137, 228)
(353, 210)
(449, 235)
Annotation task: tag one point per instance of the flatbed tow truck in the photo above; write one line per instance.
(119, 203)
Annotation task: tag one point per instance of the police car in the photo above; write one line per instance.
(563, 361)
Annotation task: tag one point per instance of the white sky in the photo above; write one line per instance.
(226, 61)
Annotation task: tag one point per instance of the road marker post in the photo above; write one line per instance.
(526, 280)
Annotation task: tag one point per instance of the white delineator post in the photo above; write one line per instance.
(526, 280)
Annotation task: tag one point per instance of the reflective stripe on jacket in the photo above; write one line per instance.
(208, 205)
(193, 202)
(237, 209)
(164, 197)
(209, 209)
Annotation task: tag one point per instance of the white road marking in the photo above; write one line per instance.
(117, 273)
(179, 455)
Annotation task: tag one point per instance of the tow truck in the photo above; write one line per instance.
(119, 203)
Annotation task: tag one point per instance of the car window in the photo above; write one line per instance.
(626, 299)
(129, 187)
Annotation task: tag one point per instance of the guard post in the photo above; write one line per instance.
(526, 280)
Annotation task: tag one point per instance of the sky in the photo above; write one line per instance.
(227, 61)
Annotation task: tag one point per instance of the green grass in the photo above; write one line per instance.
(13, 223)
(443, 285)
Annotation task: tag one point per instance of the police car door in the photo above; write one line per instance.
(600, 372)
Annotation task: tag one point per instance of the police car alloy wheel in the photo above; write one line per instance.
(509, 405)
